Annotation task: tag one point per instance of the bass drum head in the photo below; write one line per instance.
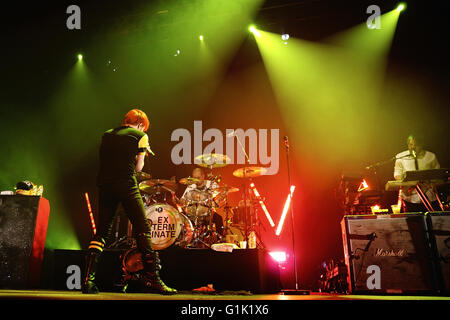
(166, 224)
(186, 233)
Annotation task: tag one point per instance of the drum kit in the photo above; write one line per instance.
(203, 216)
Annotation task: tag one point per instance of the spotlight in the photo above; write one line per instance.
(285, 36)
(255, 31)
(401, 7)
(201, 37)
(80, 57)
(278, 256)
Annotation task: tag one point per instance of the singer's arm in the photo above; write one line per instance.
(142, 149)
(140, 162)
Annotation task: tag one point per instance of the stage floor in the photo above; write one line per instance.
(77, 295)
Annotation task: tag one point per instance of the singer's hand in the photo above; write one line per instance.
(286, 141)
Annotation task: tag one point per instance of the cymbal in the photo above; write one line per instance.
(212, 160)
(226, 189)
(250, 172)
(189, 180)
(150, 186)
(141, 176)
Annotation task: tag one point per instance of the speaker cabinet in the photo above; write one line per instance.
(439, 229)
(23, 229)
(388, 254)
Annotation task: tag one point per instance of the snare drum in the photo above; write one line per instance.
(168, 226)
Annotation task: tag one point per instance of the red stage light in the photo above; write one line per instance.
(278, 256)
(94, 229)
(263, 206)
(285, 210)
(363, 186)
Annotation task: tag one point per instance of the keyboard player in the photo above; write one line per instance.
(415, 158)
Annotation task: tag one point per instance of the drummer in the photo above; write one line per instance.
(203, 185)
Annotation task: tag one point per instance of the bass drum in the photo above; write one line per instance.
(168, 226)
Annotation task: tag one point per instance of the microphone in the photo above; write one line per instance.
(414, 155)
(150, 151)
(286, 141)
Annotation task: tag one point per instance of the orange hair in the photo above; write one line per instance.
(135, 117)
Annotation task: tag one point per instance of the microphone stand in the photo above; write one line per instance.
(245, 190)
(375, 166)
(296, 291)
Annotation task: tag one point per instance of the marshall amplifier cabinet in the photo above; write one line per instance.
(388, 254)
(439, 231)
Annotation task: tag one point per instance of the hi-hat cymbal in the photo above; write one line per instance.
(212, 160)
(150, 186)
(141, 176)
(249, 172)
(189, 180)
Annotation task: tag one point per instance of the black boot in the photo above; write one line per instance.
(88, 285)
(95, 249)
(150, 280)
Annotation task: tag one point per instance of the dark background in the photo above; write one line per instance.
(50, 130)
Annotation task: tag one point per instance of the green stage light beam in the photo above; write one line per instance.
(77, 114)
(326, 93)
(220, 22)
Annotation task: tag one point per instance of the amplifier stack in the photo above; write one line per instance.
(397, 253)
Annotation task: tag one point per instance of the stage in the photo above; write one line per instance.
(189, 296)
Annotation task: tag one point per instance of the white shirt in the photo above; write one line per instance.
(209, 184)
(405, 162)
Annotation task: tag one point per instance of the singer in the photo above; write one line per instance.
(122, 153)
(415, 158)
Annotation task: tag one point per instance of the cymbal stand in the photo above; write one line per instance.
(197, 238)
(210, 224)
(227, 215)
(256, 227)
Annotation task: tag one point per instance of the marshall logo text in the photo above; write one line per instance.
(380, 252)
